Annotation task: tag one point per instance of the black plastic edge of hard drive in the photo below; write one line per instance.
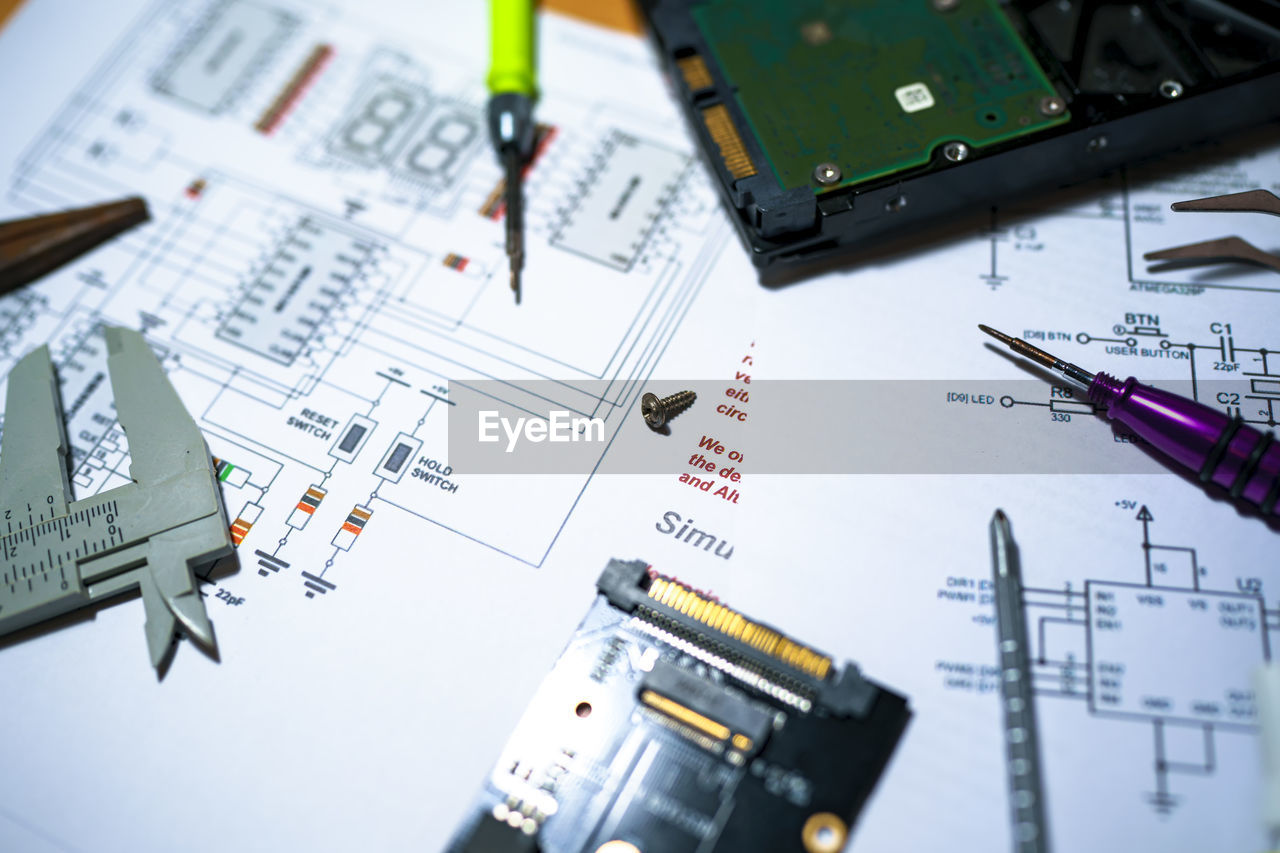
(788, 232)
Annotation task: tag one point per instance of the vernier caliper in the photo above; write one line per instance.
(57, 555)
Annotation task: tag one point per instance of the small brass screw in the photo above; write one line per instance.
(658, 411)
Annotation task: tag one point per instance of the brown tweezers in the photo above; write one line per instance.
(1224, 249)
(29, 248)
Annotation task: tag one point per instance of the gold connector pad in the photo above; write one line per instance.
(695, 73)
(732, 151)
(691, 718)
(734, 625)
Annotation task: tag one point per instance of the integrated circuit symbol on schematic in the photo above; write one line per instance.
(1136, 633)
(287, 303)
(222, 54)
(627, 188)
(1168, 653)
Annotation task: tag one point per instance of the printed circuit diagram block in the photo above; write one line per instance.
(1150, 648)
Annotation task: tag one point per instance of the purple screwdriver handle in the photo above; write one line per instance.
(1243, 460)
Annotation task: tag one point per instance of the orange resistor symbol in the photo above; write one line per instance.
(244, 522)
(306, 507)
(352, 527)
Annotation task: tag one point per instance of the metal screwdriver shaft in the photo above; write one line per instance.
(1022, 747)
(513, 87)
(1221, 448)
(515, 219)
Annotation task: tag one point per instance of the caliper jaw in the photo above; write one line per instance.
(148, 534)
(33, 466)
(164, 443)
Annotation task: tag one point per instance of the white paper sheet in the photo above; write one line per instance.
(363, 710)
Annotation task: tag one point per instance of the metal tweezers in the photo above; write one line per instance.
(1224, 249)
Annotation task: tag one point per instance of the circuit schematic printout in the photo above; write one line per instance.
(324, 278)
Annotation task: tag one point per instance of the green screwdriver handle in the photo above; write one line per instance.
(511, 37)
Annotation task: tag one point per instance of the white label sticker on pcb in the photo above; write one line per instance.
(914, 97)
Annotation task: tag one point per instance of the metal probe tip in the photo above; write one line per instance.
(1075, 373)
(999, 336)
(1022, 347)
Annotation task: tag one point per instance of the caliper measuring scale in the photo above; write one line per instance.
(1220, 448)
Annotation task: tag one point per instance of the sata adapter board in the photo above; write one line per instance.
(672, 724)
(830, 125)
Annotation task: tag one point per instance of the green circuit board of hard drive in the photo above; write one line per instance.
(875, 86)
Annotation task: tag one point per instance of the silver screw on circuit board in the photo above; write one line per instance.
(826, 174)
(1052, 106)
(658, 411)
(956, 152)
